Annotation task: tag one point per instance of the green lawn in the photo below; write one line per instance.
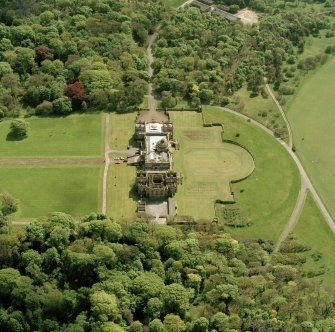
(207, 165)
(121, 193)
(173, 3)
(311, 114)
(74, 135)
(74, 190)
(313, 230)
(268, 196)
(122, 129)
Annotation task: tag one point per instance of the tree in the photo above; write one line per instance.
(234, 9)
(5, 68)
(173, 323)
(168, 101)
(43, 53)
(77, 93)
(156, 326)
(25, 60)
(8, 204)
(154, 307)
(104, 306)
(44, 108)
(147, 286)
(62, 106)
(176, 299)
(201, 325)
(19, 128)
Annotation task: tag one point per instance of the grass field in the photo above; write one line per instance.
(313, 230)
(173, 3)
(40, 190)
(122, 129)
(74, 135)
(311, 115)
(121, 194)
(121, 198)
(268, 196)
(207, 164)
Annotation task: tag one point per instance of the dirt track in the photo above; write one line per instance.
(51, 161)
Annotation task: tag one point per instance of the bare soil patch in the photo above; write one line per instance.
(248, 16)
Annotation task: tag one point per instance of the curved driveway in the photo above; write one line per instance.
(305, 184)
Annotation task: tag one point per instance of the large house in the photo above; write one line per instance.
(155, 177)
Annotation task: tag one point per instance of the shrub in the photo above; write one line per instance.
(19, 128)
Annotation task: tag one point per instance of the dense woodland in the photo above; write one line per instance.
(206, 59)
(100, 275)
(62, 56)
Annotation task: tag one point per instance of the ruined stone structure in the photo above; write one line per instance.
(155, 177)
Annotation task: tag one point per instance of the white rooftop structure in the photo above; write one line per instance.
(152, 155)
(153, 128)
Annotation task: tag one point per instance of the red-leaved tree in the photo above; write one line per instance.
(77, 93)
(43, 53)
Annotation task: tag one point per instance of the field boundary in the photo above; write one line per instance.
(49, 161)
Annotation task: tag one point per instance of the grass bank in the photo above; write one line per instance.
(313, 230)
(311, 114)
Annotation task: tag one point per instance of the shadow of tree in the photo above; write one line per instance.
(133, 193)
(12, 137)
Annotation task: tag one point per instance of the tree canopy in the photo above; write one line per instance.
(100, 275)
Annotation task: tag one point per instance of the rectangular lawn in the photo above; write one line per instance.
(121, 193)
(74, 135)
(74, 189)
(122, 129)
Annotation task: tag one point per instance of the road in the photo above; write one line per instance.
(151, 97)
(306, 184)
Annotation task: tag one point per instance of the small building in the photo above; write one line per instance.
(203, 7)
(228, 16)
